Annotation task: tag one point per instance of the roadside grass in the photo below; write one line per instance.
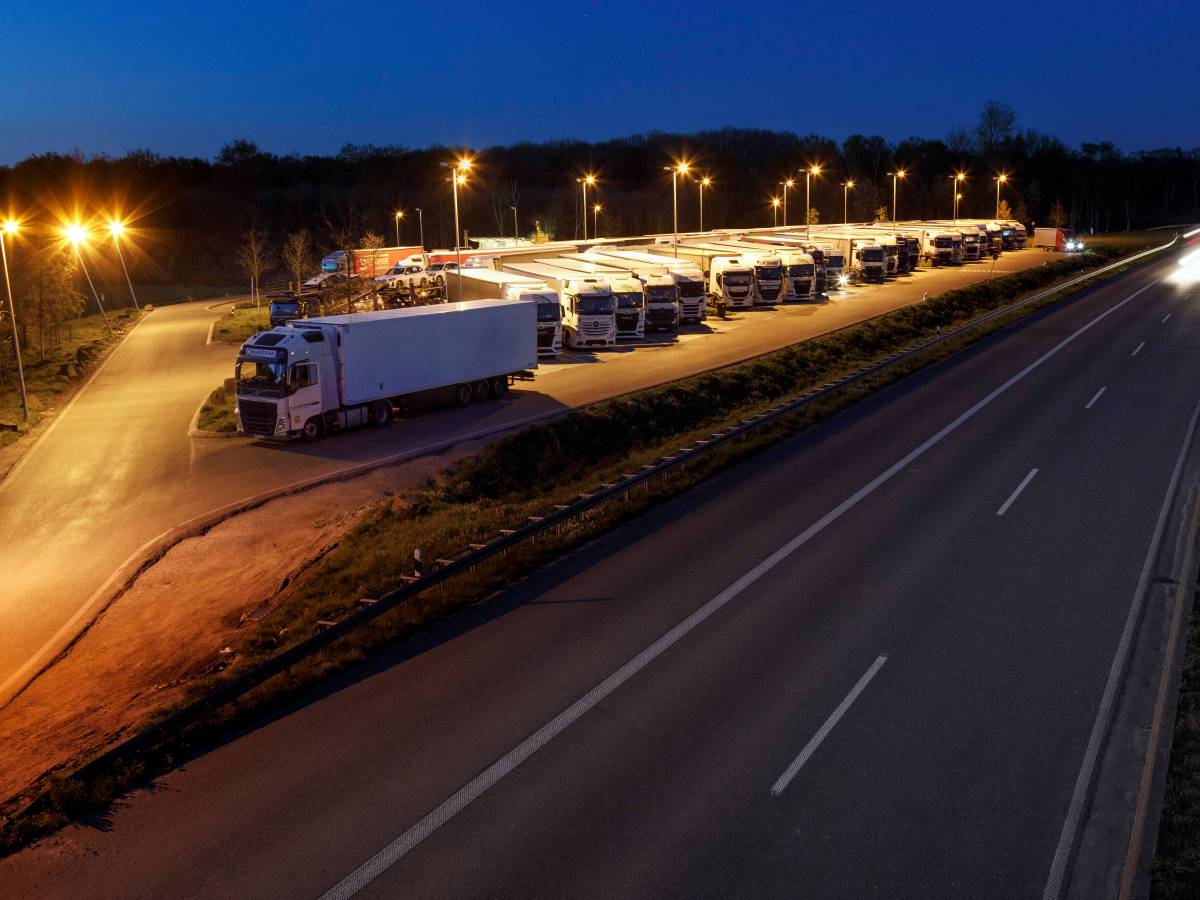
(216, 413)
(239, 323)
(491, 490)
(52, 368)
(1175, 873)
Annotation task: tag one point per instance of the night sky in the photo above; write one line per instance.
(185, 78)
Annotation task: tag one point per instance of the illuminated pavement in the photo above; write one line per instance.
(117, 470)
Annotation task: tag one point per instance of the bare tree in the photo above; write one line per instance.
(996, 123)
(297, 255)
(371, 241)
(1058, 215)
(252, 257)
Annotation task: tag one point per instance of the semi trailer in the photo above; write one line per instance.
(659, 289)
(626, 287)
(484, 284)
(687, 276)
(317, 376)
(730, 278)
(589, 309)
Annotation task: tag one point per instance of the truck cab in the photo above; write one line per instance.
(801, 275)
(549, 315)
(631, 307)
(284, 378)
(662, 302)
(869, 262)
(768, 277)
(284, 309)
(589, 313)
(731, 279)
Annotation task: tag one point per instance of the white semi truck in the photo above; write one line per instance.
(317, 376)
(687, 276)
(589, 308)
(659, 288)
(769, 283)
(485, 284)
(625, 285)
(730, 278)
(865, 259)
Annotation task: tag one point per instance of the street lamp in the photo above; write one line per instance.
(1002, 178)
(810, 171)
(676, 170)
(704, 182)
(596, 220)
(846, 186)
(421, 227)
(458, 175)
(399, 216)
(77, 234)
(898, 174)
(959, 178)
(775, 210)
(790, 183)
(11, 228)
(585, 182)
(117, 229)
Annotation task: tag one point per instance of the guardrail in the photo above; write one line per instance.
(464, 561)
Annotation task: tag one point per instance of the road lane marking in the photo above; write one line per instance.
(1017, 493)
(1099, 394)
(790, 772)
(1164, 319)
(1116, 674)
(1138, 349)
(398, 848)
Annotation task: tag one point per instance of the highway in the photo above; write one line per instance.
(116, 470)
(866, 663)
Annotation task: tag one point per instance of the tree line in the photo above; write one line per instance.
(250, 213)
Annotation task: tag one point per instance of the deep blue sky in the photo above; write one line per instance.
(184, 78)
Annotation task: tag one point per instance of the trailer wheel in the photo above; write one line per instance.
(499, 386)
(462, 395)
(482, 390)
(381, 414)
(314, 429)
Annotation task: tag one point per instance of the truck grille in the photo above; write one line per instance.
(257, 417)
(545, 337)
(660, 316)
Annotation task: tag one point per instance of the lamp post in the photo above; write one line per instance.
(703, 183)
(810, 171)
(458, 175)
(896, 176)
(11, 228)
(1000, 179)
(584, 183)
(846, 186)
(596, 220)
(421, 227)
(789, 183)
(399, 216)
(775, 211)
(676, 170)
(514, 209)
(77, 234)
(117, 229)
(958, 178)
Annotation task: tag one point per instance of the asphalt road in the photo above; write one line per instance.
(865, 663)
(117, 471)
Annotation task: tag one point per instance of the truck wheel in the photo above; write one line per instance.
(499, 386)
(462, 395)
(482, 390)
(381, 414)
(314, 429)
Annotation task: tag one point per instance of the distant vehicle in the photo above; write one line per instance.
(325, 280)
(328, 374)
(437, 269)
(286, 308)
(1060, 239)
(486, 284)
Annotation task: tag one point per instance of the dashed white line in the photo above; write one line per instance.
(1099, 394)
(1017, 493)
(1164, 319)
(1138, 349)
(823, 732)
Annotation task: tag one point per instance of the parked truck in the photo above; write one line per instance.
(769, 282)
(626, 288)
(730, 278)
(588, 306)
(864, 258)
(328, 374)
(1060, 239)
(485, 284)
(660, 293)
(687, 276)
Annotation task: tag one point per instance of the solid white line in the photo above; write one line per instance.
(400, 846)
(1099, 394)
(790, 772)
(1017, 493)
(1164, 319)
(1116, 674)
(211, 326)
(1138, 349)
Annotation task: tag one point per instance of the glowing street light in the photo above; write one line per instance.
(596, 220)
(958, 178)
(703, 183)
(11, 228)
(898, 174)
(775, 209)
(458, 175)
(789, 183)
(117, 229)
(810, 172)
(77, 234)
(588, 180)
(1002, 178)
(846, 187)
(680, 168)
(399, 216)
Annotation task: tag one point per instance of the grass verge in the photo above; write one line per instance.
(216, 413)
(54, 364)
(492, 491)
(239, 323)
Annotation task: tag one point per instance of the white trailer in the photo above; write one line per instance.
(330, 373)
(625, 285)
(660, 293)
(730, 278)
(588, 305)
(769, 282)
(485, 284)
(686, 275)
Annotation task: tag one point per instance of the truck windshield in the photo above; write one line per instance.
(661, 294)
(800, 270)
(872, 254)
(691, 289)
(629, 300)
(548, 307)
(770, 273)
(595, 305)
(262, 376)
(942, 242)
(836, 260)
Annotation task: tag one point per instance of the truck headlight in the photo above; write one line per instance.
(281, 425)
(842, 280)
